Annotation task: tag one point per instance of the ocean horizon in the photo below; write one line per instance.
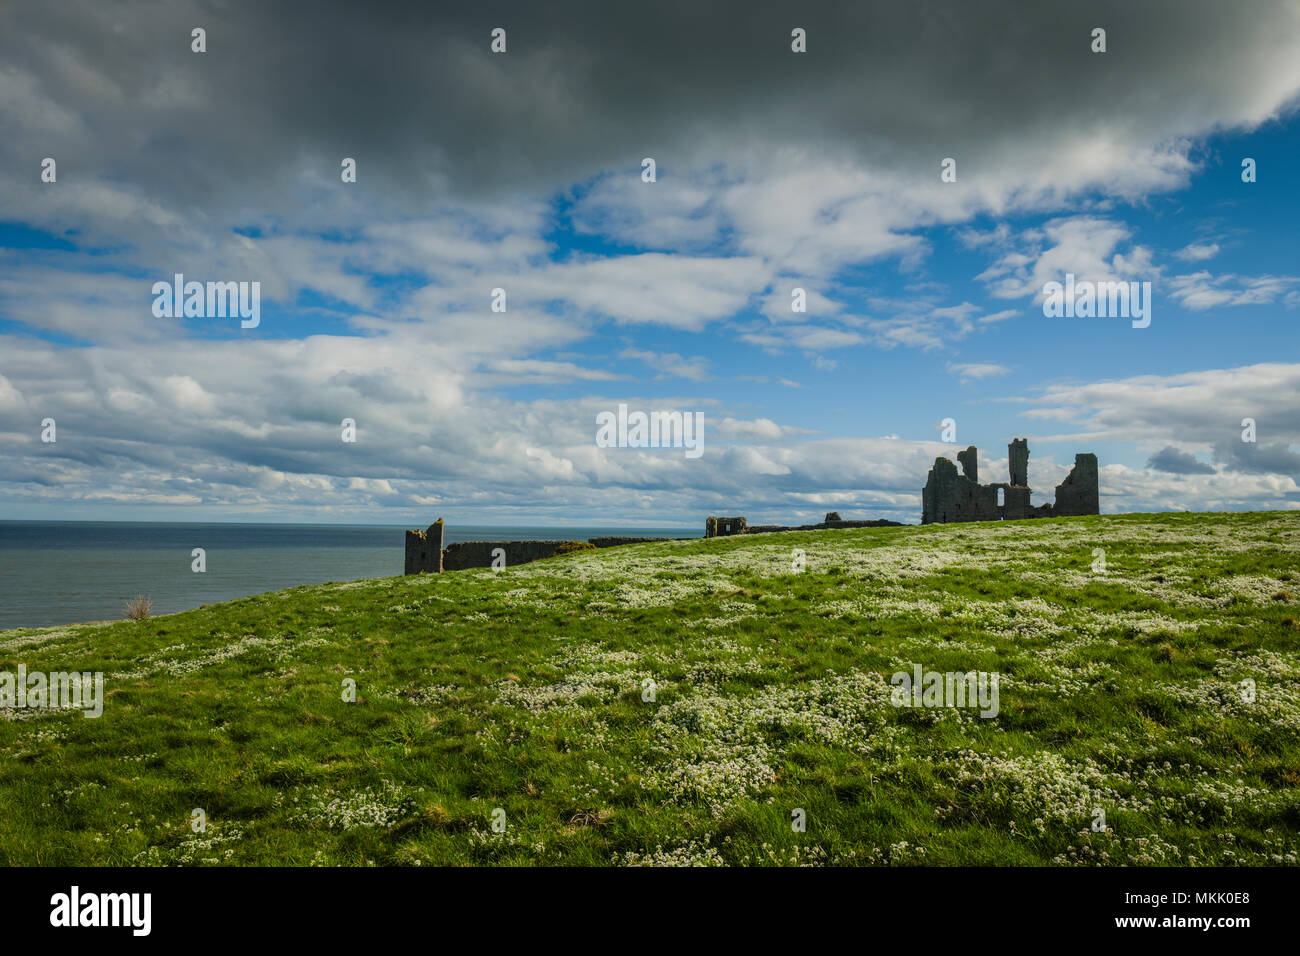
(68, 572)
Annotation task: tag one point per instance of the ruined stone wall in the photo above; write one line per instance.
(720, 527)
(478, 554)
(970, 466)
(871, 523)
(425, 554)
(614, 541)
(1018, 462)
(1079, 493)
(1015, 501)
(823, 526)
(948, 496)
(424, 550)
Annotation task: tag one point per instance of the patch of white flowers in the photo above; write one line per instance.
(376, 807)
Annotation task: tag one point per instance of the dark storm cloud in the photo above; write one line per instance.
(1175, 462)
(1259, 459)
(412, 92)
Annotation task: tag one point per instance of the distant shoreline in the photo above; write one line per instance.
(55, 573)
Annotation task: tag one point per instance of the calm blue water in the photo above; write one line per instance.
(57, 572)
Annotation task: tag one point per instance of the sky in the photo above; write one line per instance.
(522, 170)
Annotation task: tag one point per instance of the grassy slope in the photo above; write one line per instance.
(523, 690)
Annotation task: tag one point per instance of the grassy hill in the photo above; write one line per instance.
(1121, 691)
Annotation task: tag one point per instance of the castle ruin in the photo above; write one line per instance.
(424, 550)
(949, 496)
(426, 555)
(721, 527)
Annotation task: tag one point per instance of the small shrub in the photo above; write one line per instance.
(138, 608)
(571, 546)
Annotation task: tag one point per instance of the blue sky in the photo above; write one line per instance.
(773, 172)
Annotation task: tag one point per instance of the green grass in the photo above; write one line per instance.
(523, 690)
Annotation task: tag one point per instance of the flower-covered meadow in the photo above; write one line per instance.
(700, 703)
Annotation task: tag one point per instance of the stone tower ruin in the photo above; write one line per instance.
(949, 496)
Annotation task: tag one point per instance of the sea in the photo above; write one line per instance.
(66, 572)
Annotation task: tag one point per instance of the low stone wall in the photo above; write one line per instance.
(425, 554)
(823, 526)
(478, 554)
(613, 542)
(872, 523)
(719, 527)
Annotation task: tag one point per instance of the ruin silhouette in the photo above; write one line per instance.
(949, 496)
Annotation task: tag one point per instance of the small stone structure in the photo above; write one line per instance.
(948, 496)
(720, 527)
(424, 550)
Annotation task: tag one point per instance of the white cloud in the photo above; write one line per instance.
(977, 371)
(1198, 252)
(1191, 409)
(1201, 290)
(1087, 246)
(670, 364)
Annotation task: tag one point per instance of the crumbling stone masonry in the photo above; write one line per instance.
(970, 465)
(478, 554)
(719, 527)
(612, 541)
(1078, 494)
(424, 550)
(948, 496)
(1017, 462)
(425, 553)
